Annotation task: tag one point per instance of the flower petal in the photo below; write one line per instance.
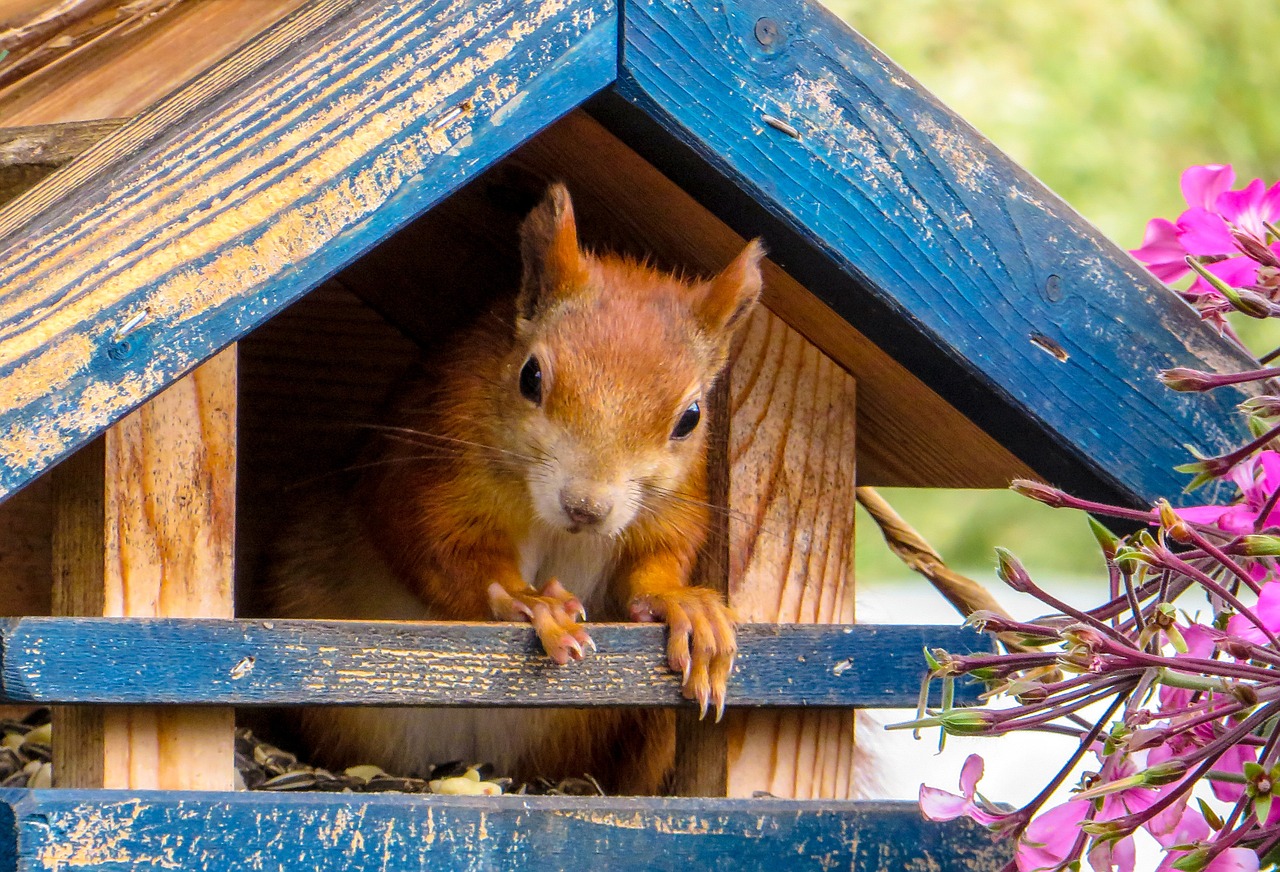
(939, 805)
(970, 772)
(1203, 514)
(1161, 251)
(1108, 856)
(1184, 826)
(1243, 208)
(1203, 232)
(1234, 860)
(1049, 838)
(1268, 607)
(1201, 185)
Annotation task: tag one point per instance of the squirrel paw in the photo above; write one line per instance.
(701, 644)
(554, 613)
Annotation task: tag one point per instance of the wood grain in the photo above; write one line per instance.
(131, 661)
(145, 526)
(134, 60)
(28, 154)
(114, 832)
(792, 487)
(915, 229)
(241, 191)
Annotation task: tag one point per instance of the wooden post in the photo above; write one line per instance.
(792, 502)
(144, 525)
(785, 463)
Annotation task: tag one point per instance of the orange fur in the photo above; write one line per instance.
(470, 485)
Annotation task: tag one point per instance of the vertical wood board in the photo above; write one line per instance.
(146, 528)
(255, 193)
(791, 533)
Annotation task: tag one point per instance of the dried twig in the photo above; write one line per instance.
(965, 594)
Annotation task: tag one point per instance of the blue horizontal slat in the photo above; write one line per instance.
(114, 831)
(242, 662)
(924, 236)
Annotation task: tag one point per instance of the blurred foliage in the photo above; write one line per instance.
(1106, 103)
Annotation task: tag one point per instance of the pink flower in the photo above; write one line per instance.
(1199, 645)
(1162, 252)
(1257, 478)
(1049, 838)
(1190, 827)
(1267, 610)
(1234, 860)
(939, 805)
(1209, 226)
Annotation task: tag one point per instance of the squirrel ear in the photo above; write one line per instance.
(552, 261)
(730, 296)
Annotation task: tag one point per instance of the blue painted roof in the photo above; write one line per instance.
(245, 189)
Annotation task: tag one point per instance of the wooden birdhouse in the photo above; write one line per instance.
(202, 306)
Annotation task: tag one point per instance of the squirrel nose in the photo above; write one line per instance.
(584, 510)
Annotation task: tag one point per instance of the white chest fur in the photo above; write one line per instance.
(582, 562)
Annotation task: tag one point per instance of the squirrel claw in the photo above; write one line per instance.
(553, 611)
(701, 646)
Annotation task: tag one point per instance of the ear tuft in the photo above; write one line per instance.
(729, 297)
(552, 262)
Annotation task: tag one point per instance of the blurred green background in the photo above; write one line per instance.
(1106, 102)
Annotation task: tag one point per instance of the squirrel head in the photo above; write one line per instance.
(612, 364)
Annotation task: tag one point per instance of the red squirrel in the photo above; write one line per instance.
(547, 463)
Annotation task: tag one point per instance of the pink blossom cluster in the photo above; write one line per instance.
(1184, 655)
(1227, 237)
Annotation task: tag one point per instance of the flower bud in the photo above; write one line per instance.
(1193, 861)
(1255, 250)
(1172, 522)
(966, 722)
(1105, 829)
(1084, 636)
(1181, 378)
(1252, 304)
(1012, 572)
(1165, 772)
(1050, 496)
(1267, 406)
(1260, 545)
(1234, 646)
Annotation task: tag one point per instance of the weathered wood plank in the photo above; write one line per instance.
(28, 154)
(248, 187)
(914, 228)
(122, 61)
(792, 444)
(146, 529)
(106, 831)
(169, 660)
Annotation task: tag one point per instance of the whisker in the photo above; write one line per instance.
(678, 498)
(452, 440)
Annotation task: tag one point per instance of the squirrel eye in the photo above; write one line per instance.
(688, 421)
(531, 380)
